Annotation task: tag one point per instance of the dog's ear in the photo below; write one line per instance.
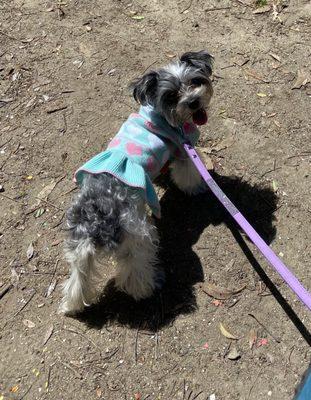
(199, 59)
(145, 88)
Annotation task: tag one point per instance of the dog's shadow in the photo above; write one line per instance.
(183, 220)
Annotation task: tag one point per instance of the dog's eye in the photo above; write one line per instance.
(198, 81)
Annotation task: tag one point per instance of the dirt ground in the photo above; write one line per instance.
(64, 69)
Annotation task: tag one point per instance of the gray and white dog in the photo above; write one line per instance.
(109, 217)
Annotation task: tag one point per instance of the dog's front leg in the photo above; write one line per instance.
(186, 177)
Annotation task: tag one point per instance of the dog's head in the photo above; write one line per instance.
(181, 91)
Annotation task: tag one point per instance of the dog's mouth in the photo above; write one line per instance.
(199, 117)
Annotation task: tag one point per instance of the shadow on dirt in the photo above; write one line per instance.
(183, 220)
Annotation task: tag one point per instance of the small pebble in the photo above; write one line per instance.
(1, 189)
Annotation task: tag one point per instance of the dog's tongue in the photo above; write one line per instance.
(199, 117)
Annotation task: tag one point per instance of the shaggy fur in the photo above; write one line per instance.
(108, 218)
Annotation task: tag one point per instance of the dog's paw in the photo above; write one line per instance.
(70, 309)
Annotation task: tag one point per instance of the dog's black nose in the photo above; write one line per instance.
(194, 104)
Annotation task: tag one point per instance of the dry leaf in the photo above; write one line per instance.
(302, 79)
(252, 337)
(274, 186)
(226, 333)
(262, 342)
(51, 287)
(277, 58)
(14, 389)
(277, 123)
(28, 323)
(233, 354)
(98, 392)
(219, 292)
(30, 251)
(262, 10)
(217, 303)
(57, 242)
(44, 194)
(14, 276)
(48, 334)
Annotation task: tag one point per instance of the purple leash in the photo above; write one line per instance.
(262, 246)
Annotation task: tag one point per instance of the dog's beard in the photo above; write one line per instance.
(181, 113)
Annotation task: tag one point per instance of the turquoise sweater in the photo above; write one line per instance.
(141, 148)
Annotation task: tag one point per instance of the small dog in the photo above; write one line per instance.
(109, 215)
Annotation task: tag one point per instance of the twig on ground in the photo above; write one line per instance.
(3, 144)
(24, 305)
(305, 154)
(60, 221)
(111, 354)
(217, 9)
(27, 391)
(252, 387)
(154, 62)
(197, 395)
(77, 373)
(52, 278)
(89, 340)
(51, 204)
(8, 36)
(47, 384)
(187, 8)
(184, 390)
(265, 328)
(54, 110)
(5, 290)
(68, 191)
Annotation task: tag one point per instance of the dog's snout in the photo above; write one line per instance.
(194, 104)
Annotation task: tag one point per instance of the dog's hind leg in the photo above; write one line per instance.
(137, 274)
(79, 290)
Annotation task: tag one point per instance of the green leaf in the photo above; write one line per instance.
(138, 17)
(39, 212)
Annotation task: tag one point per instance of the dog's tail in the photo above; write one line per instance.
(78, 290)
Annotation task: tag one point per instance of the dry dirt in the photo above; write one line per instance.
(64, 69)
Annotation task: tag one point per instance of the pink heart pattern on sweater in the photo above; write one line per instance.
(133, 149)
